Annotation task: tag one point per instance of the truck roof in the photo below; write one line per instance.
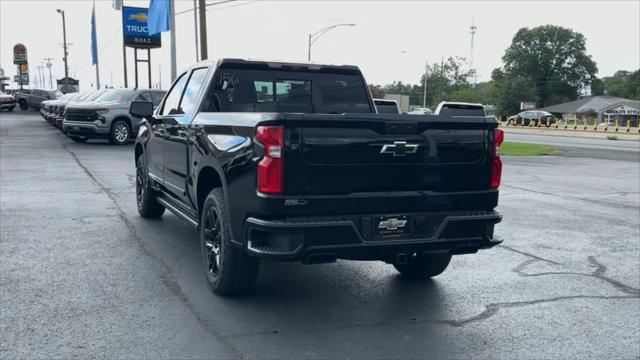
(276, 64)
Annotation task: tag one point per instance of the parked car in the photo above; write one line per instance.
(290, 162)
(47, 107)
(420, 111)
(526, 117)
(107, 117)
(60, 108)
(385, 106)
(32, 98)
(7, 102)
(460, 109)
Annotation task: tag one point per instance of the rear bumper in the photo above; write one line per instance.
(354, 237)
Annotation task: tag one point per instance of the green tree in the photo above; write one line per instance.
(509, 91)
(623, 84)
(376, 91)
(553, 59)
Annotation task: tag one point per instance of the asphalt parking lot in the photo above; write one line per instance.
(82, 275)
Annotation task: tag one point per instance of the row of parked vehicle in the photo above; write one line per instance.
(98, 114)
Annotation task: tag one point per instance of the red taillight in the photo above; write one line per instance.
(496, 165)
(270, 168)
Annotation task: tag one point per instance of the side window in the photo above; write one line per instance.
(172, 102)
(143, 96)
(192, 90)
(264, 91)
(156, 97)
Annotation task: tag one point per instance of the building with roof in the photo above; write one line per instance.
(606, 108)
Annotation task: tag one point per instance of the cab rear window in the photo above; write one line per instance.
(248, 90)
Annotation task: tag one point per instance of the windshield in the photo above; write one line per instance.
(55, 93)
(248, 90)
(119, 96)
(96, 94)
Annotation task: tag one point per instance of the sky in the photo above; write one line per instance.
(392, 40)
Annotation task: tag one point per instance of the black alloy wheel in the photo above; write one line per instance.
(212, 241)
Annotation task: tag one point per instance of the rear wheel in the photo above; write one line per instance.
(79, 139)
(229, 270)
(120, 132)
(424, 266)
(148, 205)
(23, 104)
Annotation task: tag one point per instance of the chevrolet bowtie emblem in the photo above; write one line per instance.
(392, 224)
(399, 148)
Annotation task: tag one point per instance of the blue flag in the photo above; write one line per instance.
(158, 20)
(94, 37)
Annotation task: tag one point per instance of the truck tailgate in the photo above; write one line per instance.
(341, 154)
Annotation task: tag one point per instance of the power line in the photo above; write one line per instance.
(219, 3)
(207, 5)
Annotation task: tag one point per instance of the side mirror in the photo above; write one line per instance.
(141, 109)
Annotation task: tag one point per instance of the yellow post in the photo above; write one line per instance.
(566, 123)
(555, 119)
(586, 123)
(575, 123)
(539, 120)
(617, 124)
(531, 123)
(628, 125)
(595, 124)
(606, 125)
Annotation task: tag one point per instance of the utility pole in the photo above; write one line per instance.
(41, 76)
(49, 63)
(195, 24)
(64, 42)
(424, 87)
(202, 11)
(473, 34)
(159, 76)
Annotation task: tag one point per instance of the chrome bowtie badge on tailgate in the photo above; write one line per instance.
(399, 148)
(392, 224)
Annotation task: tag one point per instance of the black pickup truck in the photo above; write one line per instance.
(291, 162)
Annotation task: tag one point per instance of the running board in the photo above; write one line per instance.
(179, 213)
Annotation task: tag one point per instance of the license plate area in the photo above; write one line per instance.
(392, 225)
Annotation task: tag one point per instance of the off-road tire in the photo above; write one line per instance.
(235, 271)
(120, 132)
(424, 266)
(146, 198)
(79, 139)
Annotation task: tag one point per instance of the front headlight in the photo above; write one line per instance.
(102, 111)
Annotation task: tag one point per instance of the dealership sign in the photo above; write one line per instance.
(528, 105)
(19, 54)
(135, 30)
(622, 109)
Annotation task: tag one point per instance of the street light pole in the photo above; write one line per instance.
(64, 42)
(426, 74)
(315, 36)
